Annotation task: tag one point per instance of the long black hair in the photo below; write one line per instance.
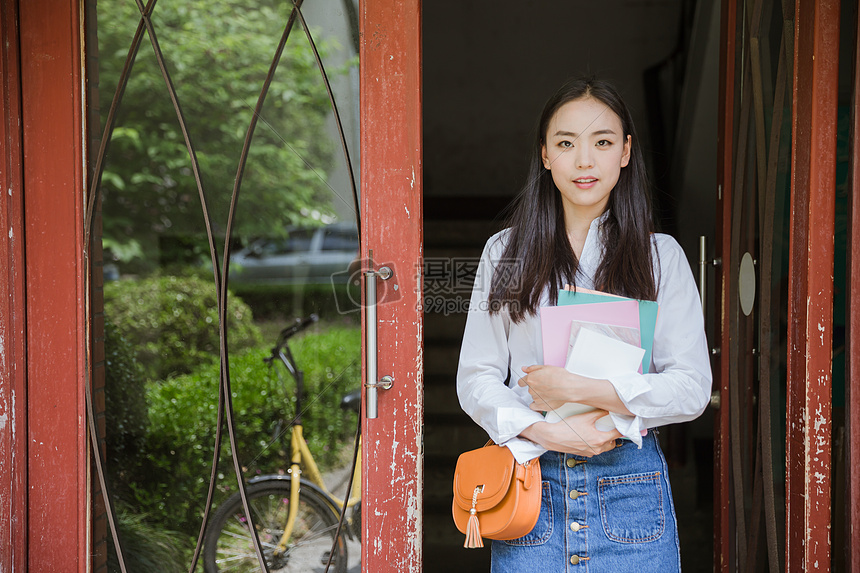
(538, 254)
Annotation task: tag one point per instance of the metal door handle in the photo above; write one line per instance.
(373, 382)
(703, 270)
(703, 281)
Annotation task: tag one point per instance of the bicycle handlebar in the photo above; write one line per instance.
(281, 351)
(299, 325)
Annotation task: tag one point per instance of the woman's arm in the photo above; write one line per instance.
(573, 435)
(678, 387)
(483, 368)
(551, 386)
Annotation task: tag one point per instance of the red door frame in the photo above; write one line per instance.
(853, 320)
(47, 344)
(391, 187)
(45, 130)
(810, 286)
(723, 242)
(45, 355)
(13, 380)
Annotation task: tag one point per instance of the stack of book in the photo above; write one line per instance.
(597, 335)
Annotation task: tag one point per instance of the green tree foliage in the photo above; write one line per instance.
(147, 547)
(218, 54)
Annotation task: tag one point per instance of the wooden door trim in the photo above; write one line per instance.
(853, 322)
(391, 197)
(723, 237)
(54, 178)
(13, 388)
(810, 288)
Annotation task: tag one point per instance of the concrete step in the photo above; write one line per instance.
(450, 435)
(450, 555)
(456, 239)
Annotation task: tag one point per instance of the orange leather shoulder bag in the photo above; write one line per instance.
(494, 496)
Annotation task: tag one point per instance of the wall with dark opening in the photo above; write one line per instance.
(488, 68)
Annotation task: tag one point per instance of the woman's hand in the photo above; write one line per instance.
(573, 435)
(549, 386)
(552, 386)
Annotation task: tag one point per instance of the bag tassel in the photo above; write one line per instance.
(473, 528)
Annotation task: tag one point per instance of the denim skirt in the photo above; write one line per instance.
(608, 513)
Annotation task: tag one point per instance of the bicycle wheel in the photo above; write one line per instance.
(228, 546)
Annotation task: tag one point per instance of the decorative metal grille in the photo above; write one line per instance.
(759, 222)
(147, 27)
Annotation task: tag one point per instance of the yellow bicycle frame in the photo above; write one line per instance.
(301, 453)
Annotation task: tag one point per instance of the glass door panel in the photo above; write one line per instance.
(225, 204)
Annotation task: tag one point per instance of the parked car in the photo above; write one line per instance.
(304, 256)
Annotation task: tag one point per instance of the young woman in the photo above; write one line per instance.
(584, 218)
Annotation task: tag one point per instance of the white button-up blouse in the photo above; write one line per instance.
(676, 389)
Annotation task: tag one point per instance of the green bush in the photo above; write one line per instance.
(172, 322)
(171, 478)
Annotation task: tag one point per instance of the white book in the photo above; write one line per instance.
(599, 351)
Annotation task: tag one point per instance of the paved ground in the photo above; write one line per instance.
(354, 549)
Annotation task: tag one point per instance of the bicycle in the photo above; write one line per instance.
(296, 519)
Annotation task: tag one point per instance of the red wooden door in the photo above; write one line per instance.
(392, 230)
(777, 188)
(43, 448)
(391, 168)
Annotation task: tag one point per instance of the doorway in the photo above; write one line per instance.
(488, 68)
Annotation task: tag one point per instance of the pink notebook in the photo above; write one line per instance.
(555, 324)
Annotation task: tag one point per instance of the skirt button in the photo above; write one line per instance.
(574, 560)
(574, 494)
(575, 526)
